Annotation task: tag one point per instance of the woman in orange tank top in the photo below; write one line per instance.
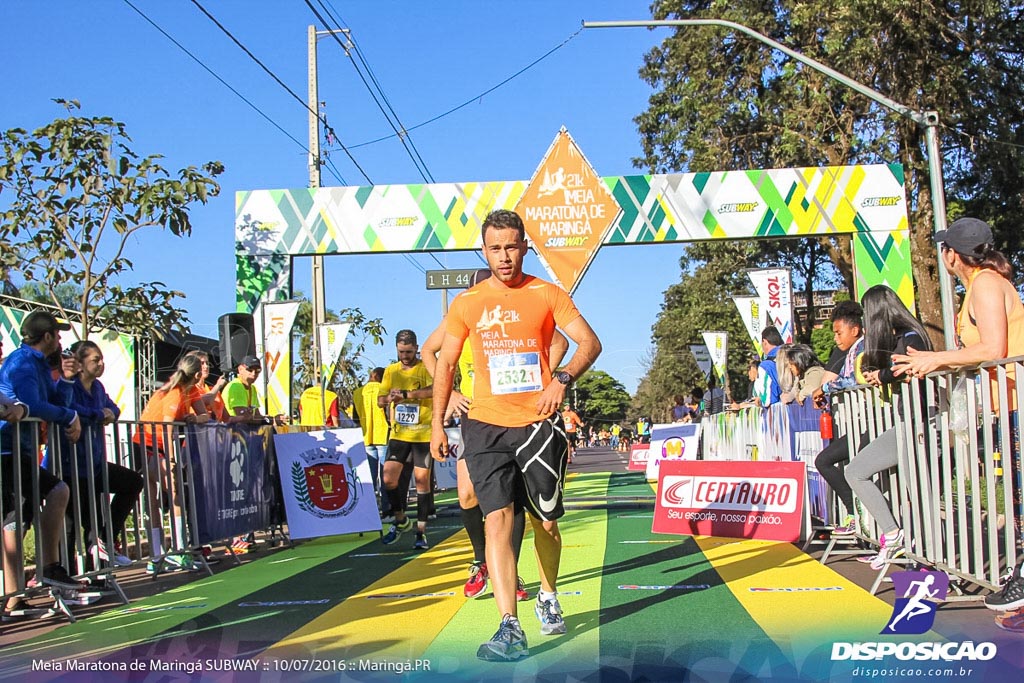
(989, 326)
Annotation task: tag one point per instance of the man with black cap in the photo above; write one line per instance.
(240, 398)
(25, 379)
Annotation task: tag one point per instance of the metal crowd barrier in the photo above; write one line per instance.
(90, 494)
(73, 555)
(956, 488)
(959, 471)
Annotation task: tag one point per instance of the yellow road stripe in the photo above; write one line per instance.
(388, 628)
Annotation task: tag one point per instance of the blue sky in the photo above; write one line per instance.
(428, 57)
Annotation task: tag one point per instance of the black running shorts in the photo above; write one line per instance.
(403, 451)
(47, 482)
(521, 466)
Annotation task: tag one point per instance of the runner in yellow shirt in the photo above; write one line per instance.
(406, 391)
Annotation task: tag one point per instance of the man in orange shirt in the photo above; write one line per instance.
(514, 438)
(572, 422)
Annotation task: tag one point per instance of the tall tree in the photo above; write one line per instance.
(600, 398)
(76, 196)
(701, 301)
(725, 101)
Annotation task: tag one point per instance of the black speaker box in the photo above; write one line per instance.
(237, 339)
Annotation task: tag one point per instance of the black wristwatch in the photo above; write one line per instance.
(405, 393)
(564, 377)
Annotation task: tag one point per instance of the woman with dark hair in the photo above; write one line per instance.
(989, 326)
(96, 409)
(889, 329)
(806, 370)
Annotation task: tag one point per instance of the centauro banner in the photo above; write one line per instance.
(775, 288)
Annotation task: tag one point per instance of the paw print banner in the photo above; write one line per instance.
(229, 471)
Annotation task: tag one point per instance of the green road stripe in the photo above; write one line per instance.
(149, 619)
(658, 632)
(240, 627)
(453, 651)
(201, 612)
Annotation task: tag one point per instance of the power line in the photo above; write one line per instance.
(304, 104)
(981, 136)
(401, 134)
(478, 97)
(417, 159)
(225, 83)
(327, 162)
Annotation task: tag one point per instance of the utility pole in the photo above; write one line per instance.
(319, 305)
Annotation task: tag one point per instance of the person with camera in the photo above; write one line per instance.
(25, 381)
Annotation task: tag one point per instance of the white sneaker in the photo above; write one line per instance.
(890, 550)
(115, 558)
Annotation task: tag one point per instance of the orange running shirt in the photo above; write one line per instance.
(509, 331)
(166, 406)
(572, 421)
(216, 409)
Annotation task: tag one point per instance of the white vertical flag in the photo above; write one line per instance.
(332, 338)
(775, 288)
(717, 344)
(753, 319)
(276, 327)
(703, 358)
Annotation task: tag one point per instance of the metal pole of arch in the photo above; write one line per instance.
(929, 120)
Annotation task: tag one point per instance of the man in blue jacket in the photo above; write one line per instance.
(25, 379)
(767, 389)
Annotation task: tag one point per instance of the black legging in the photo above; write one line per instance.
(125, 487)
(828, 464)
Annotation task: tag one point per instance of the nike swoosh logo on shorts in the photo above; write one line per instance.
(548, 505)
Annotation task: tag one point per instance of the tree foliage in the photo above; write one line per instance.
(351, 371)
(711, 272)
(75, 197)
(600, 398)
(67, 294)
(725, 101)
(823, 341)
